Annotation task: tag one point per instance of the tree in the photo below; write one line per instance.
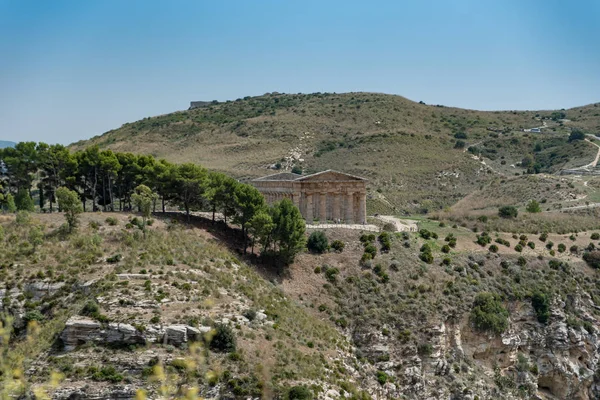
(248, 202)
(508, 212)
(11, 207)
(23, 201)
(69, 203)
(541, 305)
(296, 169)
(143, 198)
(317, 242)
(575, 135)
(36, 237)
(261, 228)
(187, 186)
(289, 229)
(533, 207)
(488, 313)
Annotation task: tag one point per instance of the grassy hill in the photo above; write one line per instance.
(408, 150)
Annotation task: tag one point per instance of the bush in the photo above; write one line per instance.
(574, 249)
(531, 245)
(446, 249)
(508, 212)
(331, 274)
(426, 257)
(299, 393)
(595, 236)
(533, 207)
(543, 237)
(425, 234)
(541, 305)
(386, 242)
(382, 377)
(549, 245)
(484, 239)
(317, 242)
(494, 248)
(338, 246)
(562, 248)
(23, 201)
(250, 314)
(112, 221)
(114, 259)
(370, 249)
(488, 313)
(224, 339)
(592, 258)
(576, 134)
(519, 248)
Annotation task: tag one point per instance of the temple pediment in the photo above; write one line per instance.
(328, 176)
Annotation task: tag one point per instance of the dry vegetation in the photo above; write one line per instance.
(405, 148)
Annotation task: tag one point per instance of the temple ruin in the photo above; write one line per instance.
(325, 196)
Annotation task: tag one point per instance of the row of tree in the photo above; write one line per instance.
(107, 180)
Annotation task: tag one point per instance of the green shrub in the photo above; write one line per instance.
(533, 207)
(223, 339)
(426, 257)
(531, 245)
(592, 258)
(519, 248)
(299, 393)
(425, 234)
(109, 374)
(114, 258)
(445, 248)
(317, 242)
(331, 274)
(385, 241)
(338, 246)
(112, 221)
(488, 313)
(494, 248)
(543, 237)
(595, 236)
(370, 249)
(541, 305)
(382, 377)
(561, 248)
(508, 212)
(484, 239)
(549, 245)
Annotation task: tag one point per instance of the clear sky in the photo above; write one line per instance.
(70, 70)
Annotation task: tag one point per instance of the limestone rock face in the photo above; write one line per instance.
(80, 330)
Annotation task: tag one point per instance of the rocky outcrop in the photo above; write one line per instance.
(81, 330)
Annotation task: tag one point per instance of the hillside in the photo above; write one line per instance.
(408, 150)
(5, 143)
(110, 312)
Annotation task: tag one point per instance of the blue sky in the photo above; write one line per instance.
(70, 70)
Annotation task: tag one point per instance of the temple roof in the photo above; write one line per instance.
(328, 175)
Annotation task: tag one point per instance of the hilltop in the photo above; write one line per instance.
(415, 155)
(6, 143)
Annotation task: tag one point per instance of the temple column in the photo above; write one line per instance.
(296, 199)
(323, 207)
(336, 207)
(362, 208)
(349, 208)
(309, 208)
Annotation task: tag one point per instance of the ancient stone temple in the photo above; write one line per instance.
(325, 196)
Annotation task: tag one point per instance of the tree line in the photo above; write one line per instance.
(106, 180)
